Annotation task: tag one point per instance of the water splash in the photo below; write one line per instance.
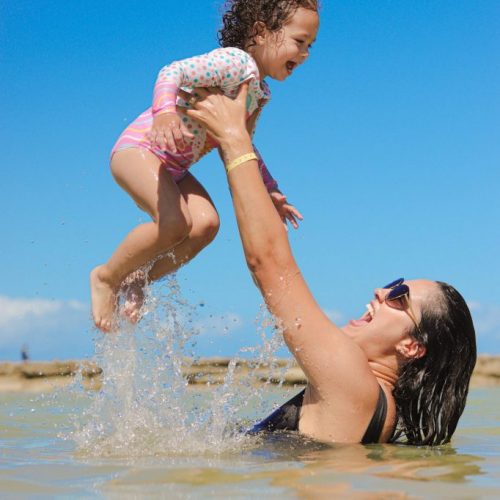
(146, 407)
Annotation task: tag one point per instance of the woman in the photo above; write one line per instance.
(400, 372)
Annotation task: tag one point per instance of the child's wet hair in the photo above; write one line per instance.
(240, 16)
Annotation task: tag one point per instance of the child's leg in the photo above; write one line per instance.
(142, 175)
(205, 224)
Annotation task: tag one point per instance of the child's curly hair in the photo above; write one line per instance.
(240, 17)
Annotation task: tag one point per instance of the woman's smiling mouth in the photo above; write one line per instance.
(366, 318)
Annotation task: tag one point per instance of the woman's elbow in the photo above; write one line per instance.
(254, 261)
(271, 261)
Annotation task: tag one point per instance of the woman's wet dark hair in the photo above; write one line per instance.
(240, 16)
(431, 391)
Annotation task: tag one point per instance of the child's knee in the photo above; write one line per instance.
(210, 227)
(173, 230)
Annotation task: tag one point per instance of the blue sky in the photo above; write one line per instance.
(386, 140)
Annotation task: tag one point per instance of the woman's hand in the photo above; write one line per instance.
(223, 117)
(169, 133)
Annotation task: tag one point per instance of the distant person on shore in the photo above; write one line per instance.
(400, 372)
(24, 353)
(151, 158)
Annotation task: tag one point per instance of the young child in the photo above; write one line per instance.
(151, 158)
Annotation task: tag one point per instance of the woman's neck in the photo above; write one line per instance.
(384, 372)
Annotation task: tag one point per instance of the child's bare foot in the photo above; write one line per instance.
(134, 299)
(103, 297)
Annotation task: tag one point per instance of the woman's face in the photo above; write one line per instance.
(385, 324)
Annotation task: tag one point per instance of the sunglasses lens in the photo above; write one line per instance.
(398, 292)
(394, 283)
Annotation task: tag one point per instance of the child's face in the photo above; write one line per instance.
(278, 53)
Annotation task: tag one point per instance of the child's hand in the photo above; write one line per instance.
(286, 211)
(168, 132)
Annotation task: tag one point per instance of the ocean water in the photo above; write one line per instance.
(40, 458)
(148, 434)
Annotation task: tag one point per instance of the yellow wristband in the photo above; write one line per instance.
(241, 159)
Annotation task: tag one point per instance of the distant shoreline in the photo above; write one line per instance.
(43, 376)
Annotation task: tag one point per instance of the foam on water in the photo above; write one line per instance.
(145, 406)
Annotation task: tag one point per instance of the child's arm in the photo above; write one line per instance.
(168, 131)
(268, 179)
(224, 67)
(286, 211)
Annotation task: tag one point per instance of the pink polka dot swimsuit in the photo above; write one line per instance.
(226, 68)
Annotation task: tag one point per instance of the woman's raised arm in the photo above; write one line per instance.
(327, 356)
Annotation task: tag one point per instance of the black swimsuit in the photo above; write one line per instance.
(286, 418)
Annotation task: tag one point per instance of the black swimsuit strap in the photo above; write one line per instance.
(287, 418)
(376, 425)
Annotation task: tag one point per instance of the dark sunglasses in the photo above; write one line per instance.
(399, 297)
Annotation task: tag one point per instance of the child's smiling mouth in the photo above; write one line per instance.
(290, 66)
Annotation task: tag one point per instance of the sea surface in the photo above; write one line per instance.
(50, 448)
(146, 433)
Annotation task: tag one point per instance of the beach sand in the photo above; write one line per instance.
(43, 376)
